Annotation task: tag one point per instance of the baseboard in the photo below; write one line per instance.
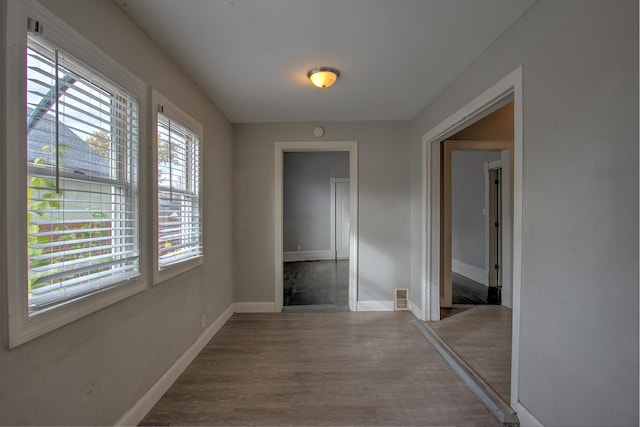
(416, 310)
(308, 256)
(498, 407)
(375, 306)
(134, 415)
(254, 307)
(527, 419)
(474, 273)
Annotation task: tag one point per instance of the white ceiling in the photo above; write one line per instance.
(251, 56)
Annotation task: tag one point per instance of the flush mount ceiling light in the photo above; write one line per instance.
(323, 76)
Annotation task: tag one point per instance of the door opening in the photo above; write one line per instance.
(465, 210)
(309, 246)
(508, 89)
(315, 202)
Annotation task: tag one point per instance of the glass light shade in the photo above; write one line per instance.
(323, 76)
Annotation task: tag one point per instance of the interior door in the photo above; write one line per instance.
(342, 219)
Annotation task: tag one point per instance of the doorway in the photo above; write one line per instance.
(467, 234)
(509, 89)
(316, 231)
(280, 148)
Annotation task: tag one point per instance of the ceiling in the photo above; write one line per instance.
(251, 57)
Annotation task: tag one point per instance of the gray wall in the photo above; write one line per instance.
(579, 331)
(306, 198)
(468, 223)
(93, 370)
(383, 180)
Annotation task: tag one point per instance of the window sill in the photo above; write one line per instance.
(25, 327)
(173, 270)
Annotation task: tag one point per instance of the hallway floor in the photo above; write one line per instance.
(365, 368)
(481, 335)
(317, 283)
(467, 291)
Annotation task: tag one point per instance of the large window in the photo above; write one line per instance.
(71, 162)
(179, 217)
(82, 156)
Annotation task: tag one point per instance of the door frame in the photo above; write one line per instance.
(332, 218)
(280, 147)
(506, 90)
(489, 226)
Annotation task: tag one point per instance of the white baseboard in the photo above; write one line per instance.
(138, 411)
(474, 273)
(525, 417)
(254, 307)
(375, 306)
(308, 256)
(416, 311)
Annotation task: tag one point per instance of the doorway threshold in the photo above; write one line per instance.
(315, 308)
(500, 409)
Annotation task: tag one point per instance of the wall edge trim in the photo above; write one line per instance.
(470, 271)
(375, 306)
(308, 255)
(138, 411)
(527, 419)
(417, 311)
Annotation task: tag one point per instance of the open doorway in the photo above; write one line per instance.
(316, 230)
(280, 149)
(508, 89)
(475, 221)
(476, 178)
(477, 225)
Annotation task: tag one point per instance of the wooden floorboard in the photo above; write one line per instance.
(319, 369)
(307, 283)
(481, 335)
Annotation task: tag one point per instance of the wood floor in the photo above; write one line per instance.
(337, 368)
(467, 291)
(481, 335)
(319, 283)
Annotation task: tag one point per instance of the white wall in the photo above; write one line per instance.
(306, 213)
(93, 370)
(468, 222)
(383, 204)
(579, 315)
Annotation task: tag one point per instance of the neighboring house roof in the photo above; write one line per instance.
(85, 159)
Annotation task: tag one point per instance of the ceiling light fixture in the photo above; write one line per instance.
(323, 76)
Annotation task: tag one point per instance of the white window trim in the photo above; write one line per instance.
(21, 326)
(174, 113)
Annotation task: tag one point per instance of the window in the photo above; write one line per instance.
(178, 207)
(82, 155)
(78, 139)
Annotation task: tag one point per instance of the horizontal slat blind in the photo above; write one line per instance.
(179, 218)
(82, 156)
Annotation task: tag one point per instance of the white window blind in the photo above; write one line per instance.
(179, 215)
(82, 157)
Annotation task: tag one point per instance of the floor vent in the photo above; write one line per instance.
(401, 300)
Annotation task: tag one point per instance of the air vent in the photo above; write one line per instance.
(401, 300)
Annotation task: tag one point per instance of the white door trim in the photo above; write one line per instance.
(510, 87)
(280, 147)
(332, 219)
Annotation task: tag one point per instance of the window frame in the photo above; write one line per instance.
(161, 104)
(22, 326)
